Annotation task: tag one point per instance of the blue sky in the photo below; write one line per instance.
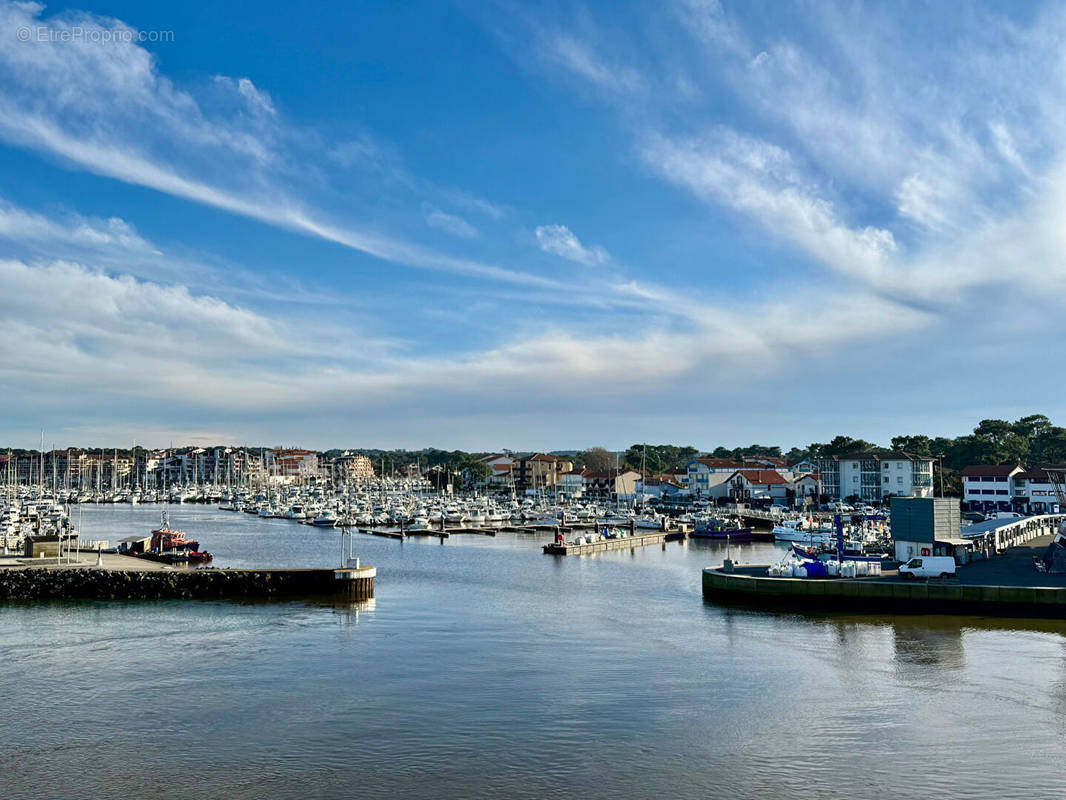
(533, 226)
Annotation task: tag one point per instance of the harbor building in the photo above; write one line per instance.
(539, 471)
(70, 468)
(352, 466)
(1034, 493)
(746, 485)
(219, 466)
(291, 464)
(705, 475)
(925, 526)
(571, 484)
(989, 487)
(501, 470)
(1009, 487)
(612, 484)
(807, 487)
(876, 475)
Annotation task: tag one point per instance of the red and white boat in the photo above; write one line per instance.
(173, 546)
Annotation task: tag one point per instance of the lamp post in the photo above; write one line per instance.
(940, 457)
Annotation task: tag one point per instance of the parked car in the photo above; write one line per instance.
(974, 516)
(928, 567)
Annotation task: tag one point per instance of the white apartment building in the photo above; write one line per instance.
(1034, 492)
(876, 475)
(1007, 487)
(989, 487)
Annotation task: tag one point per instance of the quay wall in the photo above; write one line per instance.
(873, 594)
(43, 583)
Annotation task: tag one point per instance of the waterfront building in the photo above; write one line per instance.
(291, 464)
(612, 484)
(801, 467)
(876, 475)
(1033, 491)
(925, 526)
(352, 466)
(706, 474)
(747, 485)
(1009, 487)
(67, 469)
(661, 486)
(807, 487)
(571, 484)
(501, 470)
(539, 470)
(989, 487)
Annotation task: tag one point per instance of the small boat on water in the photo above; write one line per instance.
(722, 530)
(853, 551)
(799, 530)
(328, 519)
(173, 547)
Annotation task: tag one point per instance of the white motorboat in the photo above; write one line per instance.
(802, 532)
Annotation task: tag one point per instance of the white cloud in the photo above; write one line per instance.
(451, 224)
(474, 203)
(578, 57)
(912, 197)
(707, 19)
(561, 241)
(106, 109)
(258, 101)
(760, 179)
(123, 341)
(22, 226)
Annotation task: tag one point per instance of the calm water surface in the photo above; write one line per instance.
(486, 669)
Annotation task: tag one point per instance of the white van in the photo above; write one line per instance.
(928, 567)
(1003, 515)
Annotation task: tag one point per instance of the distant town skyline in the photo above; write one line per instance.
(476, 225)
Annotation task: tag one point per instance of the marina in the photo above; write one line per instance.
(525, 401)
(490, 617)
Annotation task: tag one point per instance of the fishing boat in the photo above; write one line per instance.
(799, 530)
(721, 530)
(173, 547)
(853, 551)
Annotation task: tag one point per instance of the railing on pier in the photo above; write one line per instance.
(1014, 532)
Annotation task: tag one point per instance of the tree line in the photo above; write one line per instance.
(1029, 440)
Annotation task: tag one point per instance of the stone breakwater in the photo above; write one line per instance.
(42, 583)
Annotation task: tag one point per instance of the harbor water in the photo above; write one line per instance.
(484, 668)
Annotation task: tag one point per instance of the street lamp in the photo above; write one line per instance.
(940, 456)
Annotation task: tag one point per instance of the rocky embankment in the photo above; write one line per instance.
(42, 583)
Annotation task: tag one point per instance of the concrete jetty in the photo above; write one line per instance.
(751, 586)
(127, 578)
(621, 543)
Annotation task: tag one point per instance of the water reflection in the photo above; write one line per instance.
(486, 669)
(929, 644)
